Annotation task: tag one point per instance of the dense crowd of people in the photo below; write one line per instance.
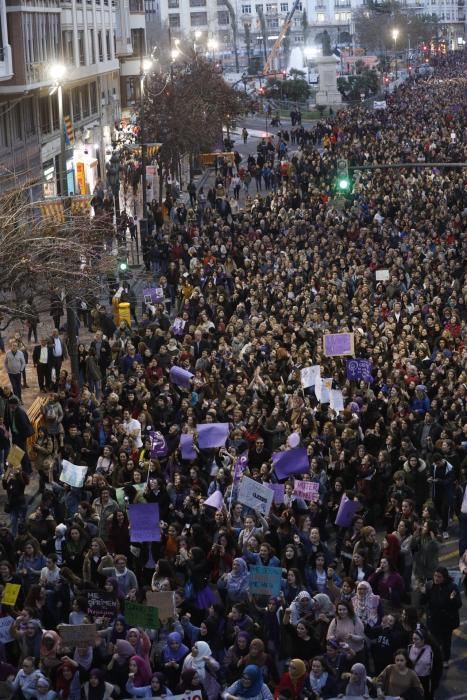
(242, 303)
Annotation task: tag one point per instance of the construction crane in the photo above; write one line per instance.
(277, 44)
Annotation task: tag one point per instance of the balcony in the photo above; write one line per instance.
(136, 7)
(342, 5)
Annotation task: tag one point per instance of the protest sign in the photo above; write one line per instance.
(346, 511)
(336, 400)
(279, 490)
(256, 496)
(323, 388)
(240, 465)
(188, 695)
(216, 500)
(101, 604)
(144, 522)
(77, 635)
(379, 104)
(308, 490)
(137, 615)
(153, 295)
(178, 326)
(382, 275)
(72, 474)
(309, 375)
(120, 494)
(164, 602)
(265, 580)
(336, 344)
(10, 593)
(186, 446)
(15, 456)
(158, 444)
(359, 368)
(294, 461)
(5, 624)
(180, 377)
(211, 435)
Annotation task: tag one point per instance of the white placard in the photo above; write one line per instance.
(72, 474)
(257, 496)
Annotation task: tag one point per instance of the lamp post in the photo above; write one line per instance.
(213, 45)
(395, 34)
(146, 65)
(57, 73)
(198, 35)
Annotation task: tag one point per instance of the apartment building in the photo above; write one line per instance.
(450, 14)
(131, 48)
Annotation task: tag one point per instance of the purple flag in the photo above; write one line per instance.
(186, 446)
(144, 522)
(289, 462)
(212, 435)
(279, 490)
(158, 444)
(359, 368)
(216, 500)
(180, 376)
(240, 465)
(347, 510)
(336, 344)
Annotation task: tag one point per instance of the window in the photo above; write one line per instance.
(271, 9)
(92, 48)
(44, 114)
(246, 9)
(221, 2)
(29, 121)
(198, 19)
(174, 21)
(67, 44)
(197, 3)
(93, 97)
(174, 4)
(81, 50)
(337, 16)
(320, 17)
(137, 41)
(17, 122)
(273, 23)
(298, 39)
(223, 17)
(100, 49)
(84, 100)
(4, 131)
(284, 6)
(107, 44)
(76, 104)
(54, 104)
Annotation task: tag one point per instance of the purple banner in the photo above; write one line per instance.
(211, 435)
(180, 377)
(336, 344)
(347, 510)
(358, 369)
(186, 446)
(144, 522)
(158, 444)
(279, 490)
(289, 462)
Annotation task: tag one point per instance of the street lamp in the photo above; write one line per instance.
(212, 45)
(146, 65)
(198, 35)
(395, 34)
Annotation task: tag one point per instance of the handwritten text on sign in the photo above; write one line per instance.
(265, 580)
(308, 490)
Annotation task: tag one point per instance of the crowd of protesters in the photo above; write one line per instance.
(246, 300)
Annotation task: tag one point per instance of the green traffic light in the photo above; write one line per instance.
(122, 266)
(343, 184)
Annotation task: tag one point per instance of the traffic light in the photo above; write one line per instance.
(122, 266)
(343, 180)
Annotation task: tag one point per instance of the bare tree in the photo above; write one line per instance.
(233, 22)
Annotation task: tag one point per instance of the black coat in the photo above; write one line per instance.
(442, 610)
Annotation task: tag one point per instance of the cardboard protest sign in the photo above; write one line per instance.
(256, 496)
(144, 522)
(265, 580)
(101, 604)
(180, 377)
(72, 474)
(10, 593)
(337, 344)
(5, 624)
(309, 375)
(336, 400)
(137, 615)
(359, 368)
(294, 461)
(15, 456)
(308, 490)
(346, 511)
(211, 435)
(382, 275)
(323, 388)
(164, 602)
(186, 446)
(77, 635)
(278, 490)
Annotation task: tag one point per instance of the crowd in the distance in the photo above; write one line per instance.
(246, 300)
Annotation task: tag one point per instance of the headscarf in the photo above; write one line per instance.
(114, 635)
(45, 652)
(98, 692)
(261, 658)
(174, 654)
(296, 610)
(298, 671)
(143, 675)
(197, 662)
(366, 607)
(324, 605)
(124, 651)
(358, 686)
(237, 582)
(256, 677)
(83, 657)
(139, 646)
